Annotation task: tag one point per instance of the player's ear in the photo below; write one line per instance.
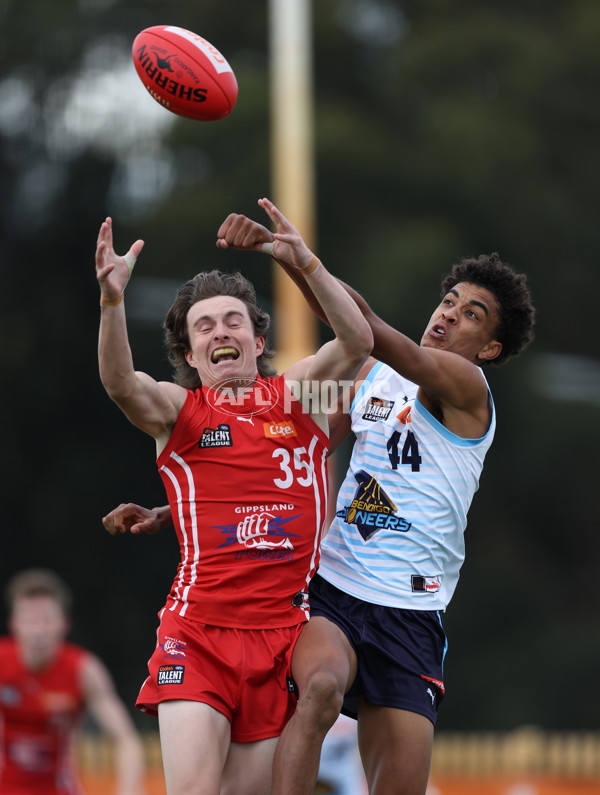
(490, 351)
(259, 345)
(189, 357)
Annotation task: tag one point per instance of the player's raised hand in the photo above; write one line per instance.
(112, 270)
(288, 246)
(238, 231)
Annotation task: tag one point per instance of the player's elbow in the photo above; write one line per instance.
(119, 389)
(362, 345)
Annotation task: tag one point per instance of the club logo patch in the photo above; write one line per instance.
(174, 648)
(216, 437)
(371, 509)
(170, 675)
(378, 409)
(263, 533)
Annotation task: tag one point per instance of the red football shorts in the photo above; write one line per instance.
(243, 673)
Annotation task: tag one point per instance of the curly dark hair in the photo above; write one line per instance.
(517, 313)
(209, 284)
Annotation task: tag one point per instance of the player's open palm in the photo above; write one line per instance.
(112, 270)
(288, 246)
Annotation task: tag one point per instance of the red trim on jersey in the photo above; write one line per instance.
(248, 507)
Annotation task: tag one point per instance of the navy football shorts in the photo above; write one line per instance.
(400, 653)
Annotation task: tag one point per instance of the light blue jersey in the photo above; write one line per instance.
(398, 535)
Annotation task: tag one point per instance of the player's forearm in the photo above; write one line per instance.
(380, 329)
(300, 281)
(381, 340)
(351, 329)
(114, 353)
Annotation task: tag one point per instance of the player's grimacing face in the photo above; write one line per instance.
(465, 322)
(222, 340)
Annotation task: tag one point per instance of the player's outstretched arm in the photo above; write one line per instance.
(150, 406)
(451, 378)
(136, 519)
(343, 357)
(241, 232)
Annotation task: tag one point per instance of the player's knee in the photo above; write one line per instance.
(250, 786)
(322, 698)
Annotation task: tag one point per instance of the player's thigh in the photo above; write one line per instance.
(395, 748)
(323, 647)
(195, 740)
(248, 769)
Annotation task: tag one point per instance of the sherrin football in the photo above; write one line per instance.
(184, 72)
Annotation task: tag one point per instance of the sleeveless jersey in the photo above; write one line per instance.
(397, 538)
(39, 714)
(247, 484)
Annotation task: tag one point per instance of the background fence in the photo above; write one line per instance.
(525, 761)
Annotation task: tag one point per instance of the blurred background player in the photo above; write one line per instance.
(46, 686)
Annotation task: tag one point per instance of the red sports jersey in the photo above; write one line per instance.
(39, 713)
(247, 484)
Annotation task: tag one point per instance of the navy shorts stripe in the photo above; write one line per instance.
(400, 653)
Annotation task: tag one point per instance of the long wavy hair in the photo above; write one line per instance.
(210, 284)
